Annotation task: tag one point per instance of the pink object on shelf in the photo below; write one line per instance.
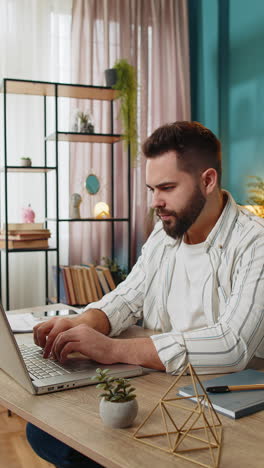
(28, 215)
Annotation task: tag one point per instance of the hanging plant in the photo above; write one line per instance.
(127, 86)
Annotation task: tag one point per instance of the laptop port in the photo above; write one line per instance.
(60, 386)
(50, 388)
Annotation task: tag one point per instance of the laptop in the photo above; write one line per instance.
(27, 367)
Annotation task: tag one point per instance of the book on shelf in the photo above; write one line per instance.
(83, 300)
(90, 271)
(76, 286)
(98, 290)
(14, 235)
(87, 285)
(25, 238)
(83, 284)
(66, 289)
(25, 244)
(69, 283)
(108, 276)
(63, 297)
(103, 281)
(23, 226)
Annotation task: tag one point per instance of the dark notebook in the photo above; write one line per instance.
(234, 404)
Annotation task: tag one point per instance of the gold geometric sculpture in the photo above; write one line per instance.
(191, 432)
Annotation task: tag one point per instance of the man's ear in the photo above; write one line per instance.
(209, 180)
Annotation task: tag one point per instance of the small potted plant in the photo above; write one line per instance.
(118, 406)
(24, 161)
(83, 123)
(122, 77)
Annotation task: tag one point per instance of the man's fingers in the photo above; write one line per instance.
(61, 340)
(41, 331)
(45, 333)
(59, 327)
(49, 342)
(68, 348)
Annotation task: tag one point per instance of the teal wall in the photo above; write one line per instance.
(227, 67)
(203, 27)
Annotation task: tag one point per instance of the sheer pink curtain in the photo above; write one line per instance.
(153, 36)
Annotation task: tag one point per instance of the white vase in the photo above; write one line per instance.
(116, 414)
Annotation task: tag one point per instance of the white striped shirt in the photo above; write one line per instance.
(232, 296)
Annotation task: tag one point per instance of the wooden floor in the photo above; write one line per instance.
(14, 449)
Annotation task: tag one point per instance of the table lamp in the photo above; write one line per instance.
(101, 210)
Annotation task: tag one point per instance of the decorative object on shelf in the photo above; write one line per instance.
(28, 215)
(26, 162)
(256, 199)
(92, 184)
(110, 77)
(75, 202)
(182, 429)
(126, 84)
(101, 210)
(83, 122)
(118, 406)
(119, 274)
(257, 210)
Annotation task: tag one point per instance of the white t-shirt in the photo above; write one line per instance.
(185, 299)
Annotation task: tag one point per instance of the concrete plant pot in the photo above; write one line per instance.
(110, 77)
(25, 162)
(116, 414)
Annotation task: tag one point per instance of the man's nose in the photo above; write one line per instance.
(157, 201)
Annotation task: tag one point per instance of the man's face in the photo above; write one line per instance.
(177, 196)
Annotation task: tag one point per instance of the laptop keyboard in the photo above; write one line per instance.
(39, 367)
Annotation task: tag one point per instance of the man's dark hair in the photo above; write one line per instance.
(196, 146)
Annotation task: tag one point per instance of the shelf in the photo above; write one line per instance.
(27, 169)
(49, 249)
(56, 93)
(44, 88)
(87, 219)
(85, 137)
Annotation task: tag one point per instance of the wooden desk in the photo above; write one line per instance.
(72, 416)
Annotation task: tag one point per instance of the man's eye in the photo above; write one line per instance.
(168, 188)
(150, 189)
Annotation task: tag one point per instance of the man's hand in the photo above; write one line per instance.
(85, 340)
(105, 350)
(86, 333)
(45, 333)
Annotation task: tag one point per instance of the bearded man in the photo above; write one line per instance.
(199, 280)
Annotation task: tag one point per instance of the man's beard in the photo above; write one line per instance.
(183, 220)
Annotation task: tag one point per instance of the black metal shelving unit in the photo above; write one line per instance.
(58, 90)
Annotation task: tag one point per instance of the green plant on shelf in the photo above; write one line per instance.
(83, 123)
(25, 161)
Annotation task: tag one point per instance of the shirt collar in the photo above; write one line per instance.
(224, 226)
